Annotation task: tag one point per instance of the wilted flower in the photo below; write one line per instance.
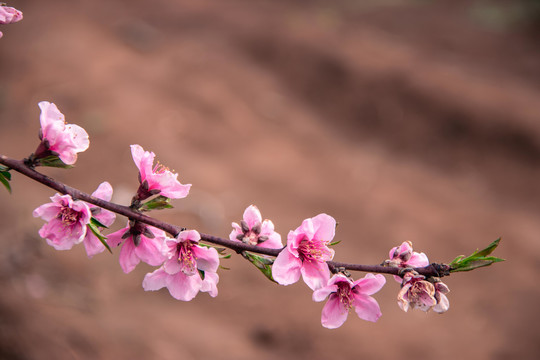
(156, 179)
(140, 243)
(440, 295)
(189, 268)
(254, 231)
(66, 221)
(416, 292)
(59, 138)
(306, 253)
(344, 294)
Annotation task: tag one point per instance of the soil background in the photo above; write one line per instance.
(404, 120)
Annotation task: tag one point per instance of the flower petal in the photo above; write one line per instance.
(128, 259)
(47, 211)
(209, 284)
(442, 305)
(322, 293)
(417, 260)
(334, 313)
(252, 216)
(104, 191)
(155, 280)
(150, 251)
(183, 287)
(92, 244)
(325, 227)
(370, 283)
(315, 274)
(366, 307)
(172, 266)
(286, 268)
(207, 258)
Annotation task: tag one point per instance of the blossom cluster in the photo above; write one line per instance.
(185, 266)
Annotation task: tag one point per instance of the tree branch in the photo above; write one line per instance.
(238, 246)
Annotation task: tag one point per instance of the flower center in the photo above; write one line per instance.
(344, 293)
(186, 257)
(312, 250)
(160, 169)
(68, 216)
(418, 288)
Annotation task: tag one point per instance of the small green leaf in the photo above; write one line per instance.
(201, 273)
(53, 161)
(488, 250)
(96, 222)
(6, 174)
(5, 180)
(261, 263)
(334, 243)
(94, 228)
(157, 203)
(477, 259)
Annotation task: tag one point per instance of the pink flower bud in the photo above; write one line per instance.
(59, 138)
(254, 231)
(403, 256)
(9, 15)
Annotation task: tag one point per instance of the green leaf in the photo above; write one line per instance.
(157, 203)
(54, 161)
(477, 259)
(261, 263)
(96, 222)
(334, 243)
(201, 273)
(94, 228)
(475, 264)
(489, 249)
(6, 174)
(5, 180)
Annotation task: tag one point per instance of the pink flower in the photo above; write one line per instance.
(306, 253)
(66, 221)
(189, 268)
(254, 231)
(416, 292)
(9, 15)
(158, 179)
(403, 256)
(59, 138)
(344, 294)
(91, 243)
(140, 243)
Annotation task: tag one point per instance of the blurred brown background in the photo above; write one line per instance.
(405, 120)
